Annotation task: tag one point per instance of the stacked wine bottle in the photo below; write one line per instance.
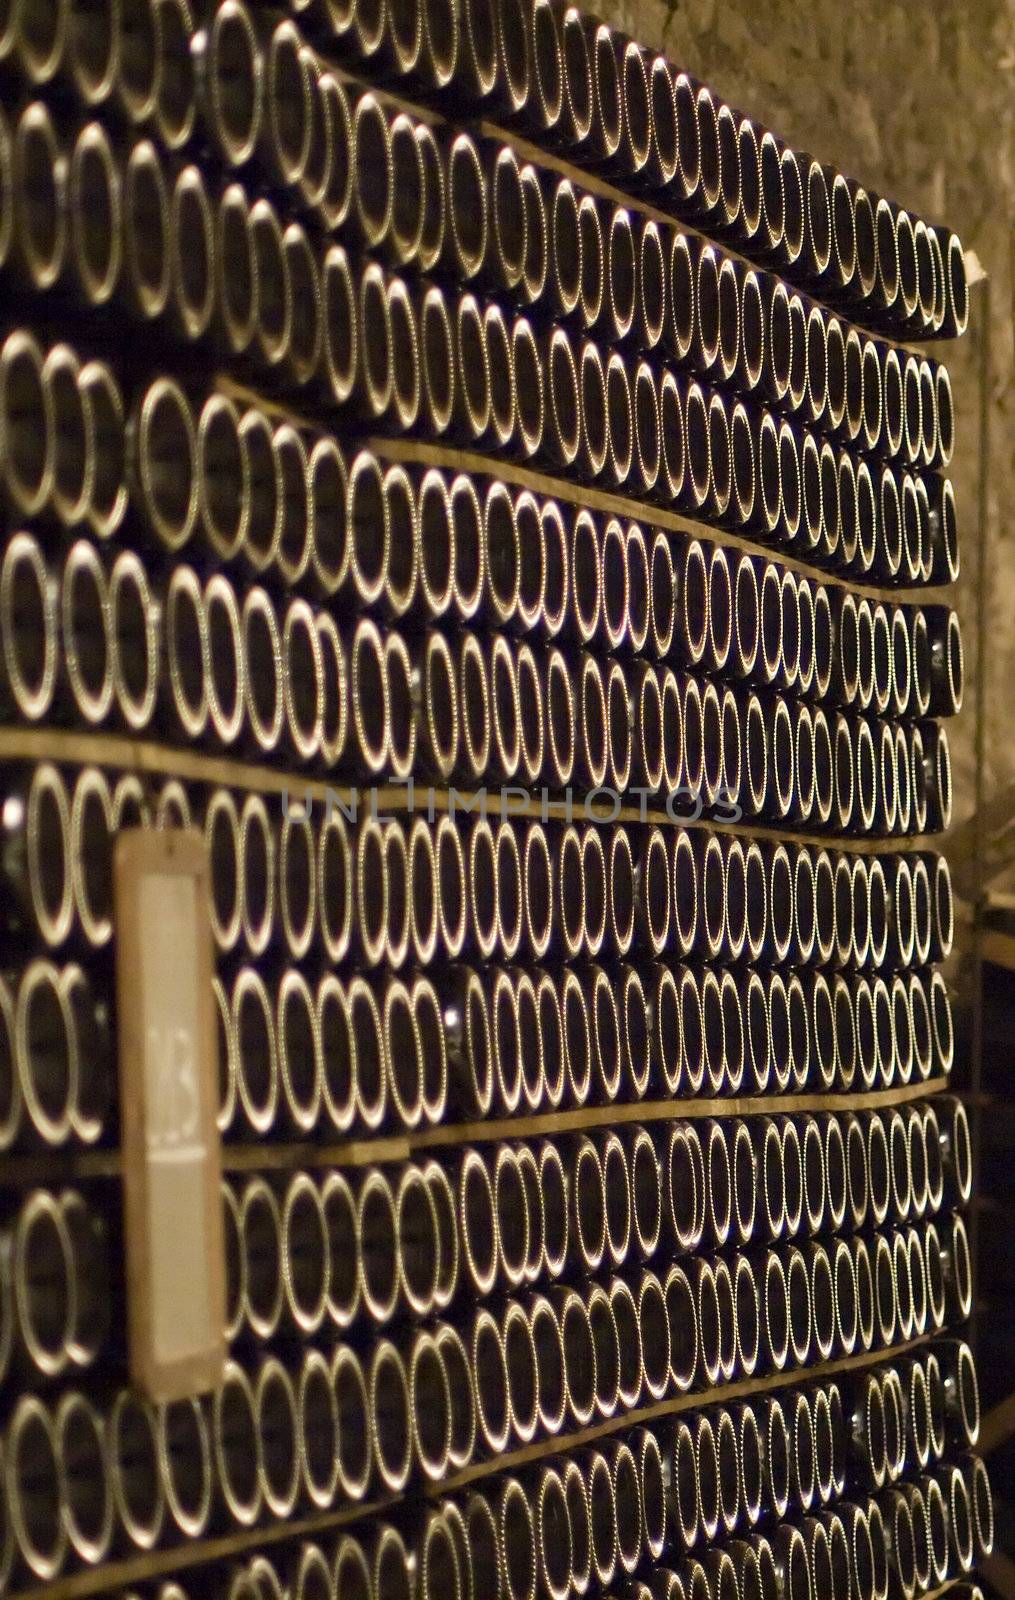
(480, 480)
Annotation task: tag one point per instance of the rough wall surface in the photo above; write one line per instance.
(918, 101)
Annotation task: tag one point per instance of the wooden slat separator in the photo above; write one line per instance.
(148, 758)
(429, 454)
(586, 178)
(432, 453)
(57, 1166)
(162, 1563)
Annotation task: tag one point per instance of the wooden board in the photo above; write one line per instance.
(149, 759)
(149, 1565)
(171, 1155)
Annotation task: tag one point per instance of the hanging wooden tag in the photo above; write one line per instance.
(172, 1158)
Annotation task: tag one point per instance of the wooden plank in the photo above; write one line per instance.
(557, 1122)
(158, 1563)
(57, 1166)
(582, 178)
(511, 1460)
(165, 1562)
(452, 458)
(149, 759)
(425, 453)
(22, 1170)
